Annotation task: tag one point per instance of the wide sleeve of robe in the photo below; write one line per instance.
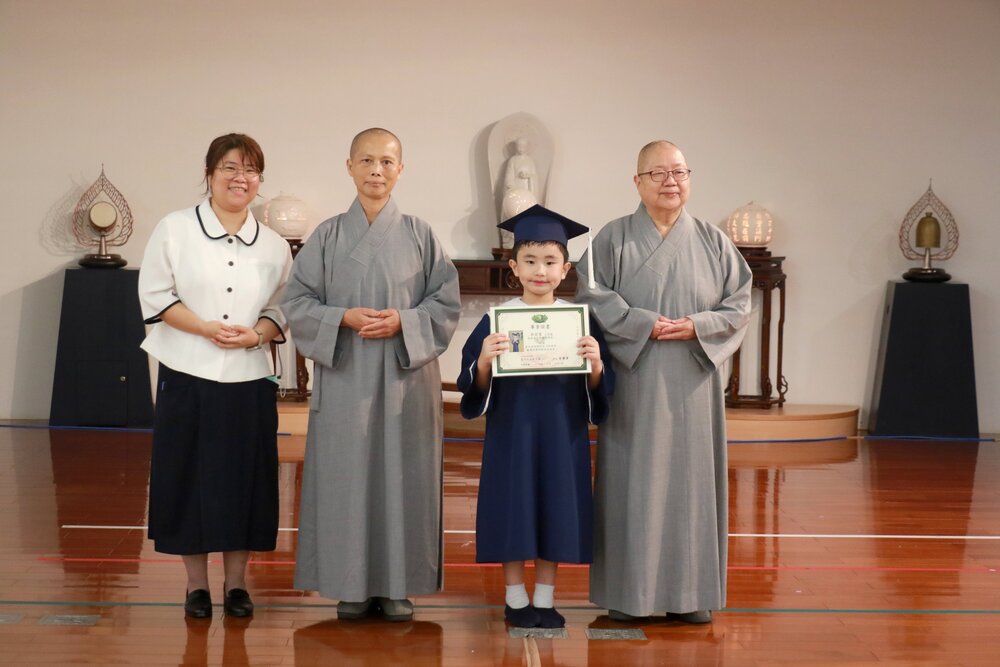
(626, 328)
(428, 326)
(720, 330)
(315, 324)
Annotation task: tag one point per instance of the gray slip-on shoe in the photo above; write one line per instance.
(354, 610)
(396, 610)
(622, 617)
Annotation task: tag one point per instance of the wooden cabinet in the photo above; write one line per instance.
(488, 276)
(925, 378)
(101, 376)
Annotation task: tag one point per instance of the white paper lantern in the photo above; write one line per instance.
(750, 226)
(287, 215)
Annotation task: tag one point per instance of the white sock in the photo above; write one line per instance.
(517, 596)
(544, 595)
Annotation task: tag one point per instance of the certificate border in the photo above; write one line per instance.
(584, 313)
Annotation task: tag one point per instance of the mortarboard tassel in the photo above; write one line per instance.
(591, 283)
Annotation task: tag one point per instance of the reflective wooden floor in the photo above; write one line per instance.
(848, 552)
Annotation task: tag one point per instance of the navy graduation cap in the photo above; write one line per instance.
(540, 224)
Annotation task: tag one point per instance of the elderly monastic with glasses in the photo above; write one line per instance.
(209, 286)
(672, 295)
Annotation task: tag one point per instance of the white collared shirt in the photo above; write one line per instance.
(234, 279)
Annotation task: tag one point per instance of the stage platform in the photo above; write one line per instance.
(789, 422)
(792, 422)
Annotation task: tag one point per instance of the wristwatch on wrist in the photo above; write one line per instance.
(260, 341)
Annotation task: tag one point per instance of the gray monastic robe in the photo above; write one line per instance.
(370, 518)
(661, 492)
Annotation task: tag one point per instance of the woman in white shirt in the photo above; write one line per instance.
(209, 285)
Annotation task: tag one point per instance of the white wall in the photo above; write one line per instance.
(832, 115)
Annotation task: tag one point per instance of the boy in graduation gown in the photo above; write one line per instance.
(373, 300)
(535, 486)
(673, 297)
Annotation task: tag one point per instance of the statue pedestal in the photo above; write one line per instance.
(925, 380)
(102, 375)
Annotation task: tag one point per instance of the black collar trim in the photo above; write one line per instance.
(224, 234)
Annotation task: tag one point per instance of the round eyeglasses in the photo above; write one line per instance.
(230, 171)
(660, 175)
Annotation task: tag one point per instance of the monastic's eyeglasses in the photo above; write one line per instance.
(230, 170)
(659, 175)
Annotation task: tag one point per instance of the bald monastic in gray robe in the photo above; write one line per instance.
(370, 518)
(661, 494)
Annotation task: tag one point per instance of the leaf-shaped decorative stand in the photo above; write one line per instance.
(928, 209)
(102, 216)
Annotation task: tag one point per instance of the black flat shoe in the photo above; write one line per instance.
(550, 618)
(198, 604)
(525, 617)
(238, 603)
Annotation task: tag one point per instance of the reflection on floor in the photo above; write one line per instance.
(841, 552)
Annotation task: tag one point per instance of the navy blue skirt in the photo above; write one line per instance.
(214, 474)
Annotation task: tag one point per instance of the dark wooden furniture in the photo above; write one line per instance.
(925, 379)
(488, 276)
(767, 276)
(102, 375)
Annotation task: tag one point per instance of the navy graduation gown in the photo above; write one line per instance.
(535, 493)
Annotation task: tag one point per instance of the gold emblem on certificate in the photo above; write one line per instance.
(543, 339)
